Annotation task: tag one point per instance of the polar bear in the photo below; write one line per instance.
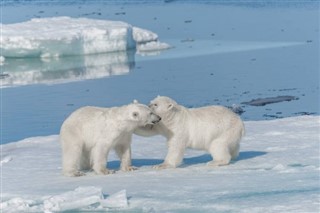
(215, 129)
(89, 133)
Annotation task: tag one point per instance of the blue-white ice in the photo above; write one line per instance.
(65, 36)
(277, 171)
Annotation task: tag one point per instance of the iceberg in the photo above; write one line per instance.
(64, 49)
(65, 36)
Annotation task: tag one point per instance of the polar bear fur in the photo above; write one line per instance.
(89, 133)
(215, 129)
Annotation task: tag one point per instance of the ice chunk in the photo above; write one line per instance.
(143, 36)
(61, 36)
(2, 59)
(147, 41)
(117, 200)
(80, 197)
(152, 46)
(5, 159)
(19, 205)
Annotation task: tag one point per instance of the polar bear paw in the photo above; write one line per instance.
(74, 174)
(217, 163)
(162, 166)
(129, 168)
(105, 172)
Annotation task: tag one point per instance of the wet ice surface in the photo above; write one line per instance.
(277, 171)
(259, 52)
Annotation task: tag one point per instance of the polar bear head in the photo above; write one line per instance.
(141, 114)
(163, 106)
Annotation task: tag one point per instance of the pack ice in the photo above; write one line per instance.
(65, 36)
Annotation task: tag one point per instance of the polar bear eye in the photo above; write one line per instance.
(155, 105)
(135, 114)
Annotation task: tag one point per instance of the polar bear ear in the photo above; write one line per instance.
(135, 101)
(171, 106)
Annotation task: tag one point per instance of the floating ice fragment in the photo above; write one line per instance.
(80, 197)
(2, 59)
(237, 109)
(143, 36)
(152, 46)
(19, 205)
(117, 200)
(6, 159)
(279, 167)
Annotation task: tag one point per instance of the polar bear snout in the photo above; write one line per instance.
(155, 118)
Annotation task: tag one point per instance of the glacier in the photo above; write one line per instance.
(66, 36)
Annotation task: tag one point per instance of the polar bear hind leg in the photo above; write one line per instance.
(99, 156)
(85, 163)
(234, 149)
(224, 149)
(220, 153)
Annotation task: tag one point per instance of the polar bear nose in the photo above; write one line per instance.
(157, 119)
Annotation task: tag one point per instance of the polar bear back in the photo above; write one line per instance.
(208, 123)
(87, 124)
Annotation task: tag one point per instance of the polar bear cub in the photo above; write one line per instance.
(89, 133)
(215, 129)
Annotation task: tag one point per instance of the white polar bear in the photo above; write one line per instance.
(89, 133)
(215, 129)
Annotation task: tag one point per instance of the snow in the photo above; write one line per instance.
(277, 171)
(65, 36)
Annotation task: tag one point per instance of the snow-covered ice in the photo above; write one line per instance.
(65, 36)
(277, 171)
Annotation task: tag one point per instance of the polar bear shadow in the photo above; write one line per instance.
(205, 158)
(136, 162)
(250, 154)
(189, 161)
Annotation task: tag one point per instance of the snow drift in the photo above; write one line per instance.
(65, 36)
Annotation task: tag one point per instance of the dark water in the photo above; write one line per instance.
(225, 53)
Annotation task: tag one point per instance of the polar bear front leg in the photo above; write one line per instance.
(99, 156)
(124, 153)
(70, 160)
(174, 157)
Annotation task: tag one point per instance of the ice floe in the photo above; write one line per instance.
(272, 171)
(65, 36)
